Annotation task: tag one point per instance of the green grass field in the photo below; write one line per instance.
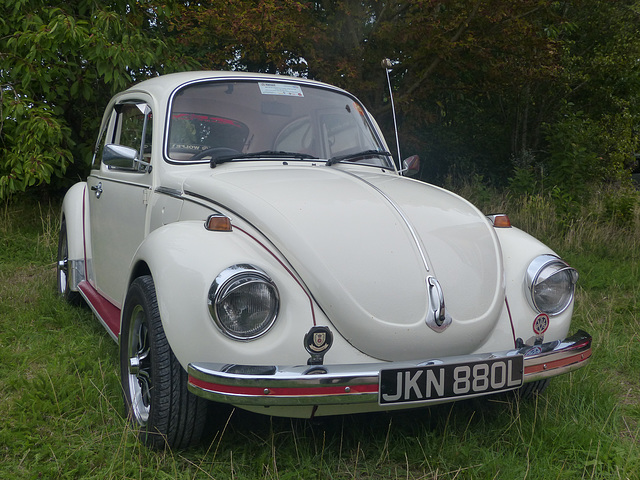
(62, 415)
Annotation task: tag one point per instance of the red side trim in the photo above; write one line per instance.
(108, 313)
(281, 391)
(513, 330)
(84, 231)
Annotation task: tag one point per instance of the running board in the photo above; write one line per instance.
(106, 312)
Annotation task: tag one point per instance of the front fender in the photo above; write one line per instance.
(519, 249)
(184, 259)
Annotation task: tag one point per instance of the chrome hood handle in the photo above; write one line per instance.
(437, 318)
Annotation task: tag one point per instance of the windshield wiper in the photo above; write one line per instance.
(216, 160)
(354, 156)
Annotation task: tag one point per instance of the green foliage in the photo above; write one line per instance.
(477, 82)
(582, 158)
(619, 208)
(523, 181)
(592, 131)
(527, 178)
(260, 36)
(573, 164)
(61, 62)
(34, 147)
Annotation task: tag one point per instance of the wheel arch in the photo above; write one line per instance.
(138, 269)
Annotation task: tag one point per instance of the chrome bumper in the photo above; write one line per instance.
(301, 385)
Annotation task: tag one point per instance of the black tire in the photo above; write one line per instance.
(531, 389)
(62, 270)
(154, 384)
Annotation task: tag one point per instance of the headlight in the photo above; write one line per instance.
(551, 283)
(243, 302)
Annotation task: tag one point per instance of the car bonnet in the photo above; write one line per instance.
(365, 243)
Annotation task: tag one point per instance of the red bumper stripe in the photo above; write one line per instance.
(551, 365)
(282, 391)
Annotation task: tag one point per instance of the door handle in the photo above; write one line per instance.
(98, 189)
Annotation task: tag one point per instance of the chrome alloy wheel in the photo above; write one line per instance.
(139, 366)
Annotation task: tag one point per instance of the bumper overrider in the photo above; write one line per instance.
(389, 383)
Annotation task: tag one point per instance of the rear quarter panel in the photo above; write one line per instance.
(73, 210)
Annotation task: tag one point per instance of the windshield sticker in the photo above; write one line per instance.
(280, 89)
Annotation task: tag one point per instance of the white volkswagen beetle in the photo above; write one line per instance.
(247, 239)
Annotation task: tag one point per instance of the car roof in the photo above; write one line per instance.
(164, 85)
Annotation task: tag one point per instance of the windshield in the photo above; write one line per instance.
(258, 119)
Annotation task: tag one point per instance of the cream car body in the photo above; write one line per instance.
(362, 269)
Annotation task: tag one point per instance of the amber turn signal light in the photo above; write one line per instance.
(218, 223)
(500, 221)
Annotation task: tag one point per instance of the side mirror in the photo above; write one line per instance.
(119, 156)
(410, 166)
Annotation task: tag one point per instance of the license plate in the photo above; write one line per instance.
(447, 381)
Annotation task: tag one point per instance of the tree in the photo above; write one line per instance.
(464, 75)
(502, 88)
(258, 36)
(600, 84)
(448, 55)
(60, 64)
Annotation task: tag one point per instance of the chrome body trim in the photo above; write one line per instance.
(219, 288)
(536, 267)
(172, 192)
(271, 79)
(405, 220)
(76, 273)
(300, 385)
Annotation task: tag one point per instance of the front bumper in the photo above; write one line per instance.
(305, 385)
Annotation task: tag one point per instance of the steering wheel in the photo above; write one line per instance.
(215, 152)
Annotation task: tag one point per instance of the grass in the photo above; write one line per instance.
(62, 414)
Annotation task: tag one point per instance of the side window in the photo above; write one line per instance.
(134, 127)
(130, 125)
(97, 154)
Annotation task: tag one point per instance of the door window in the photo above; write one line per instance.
(131, 126)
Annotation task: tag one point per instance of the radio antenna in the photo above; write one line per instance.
(386, 64)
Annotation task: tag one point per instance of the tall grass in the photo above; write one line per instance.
(609, 221)
(61, 403)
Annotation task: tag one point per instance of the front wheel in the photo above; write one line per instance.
(154, 384)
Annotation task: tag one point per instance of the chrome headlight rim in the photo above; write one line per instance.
(535, 270)
(236, 276)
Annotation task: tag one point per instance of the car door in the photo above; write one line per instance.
(118, 197)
